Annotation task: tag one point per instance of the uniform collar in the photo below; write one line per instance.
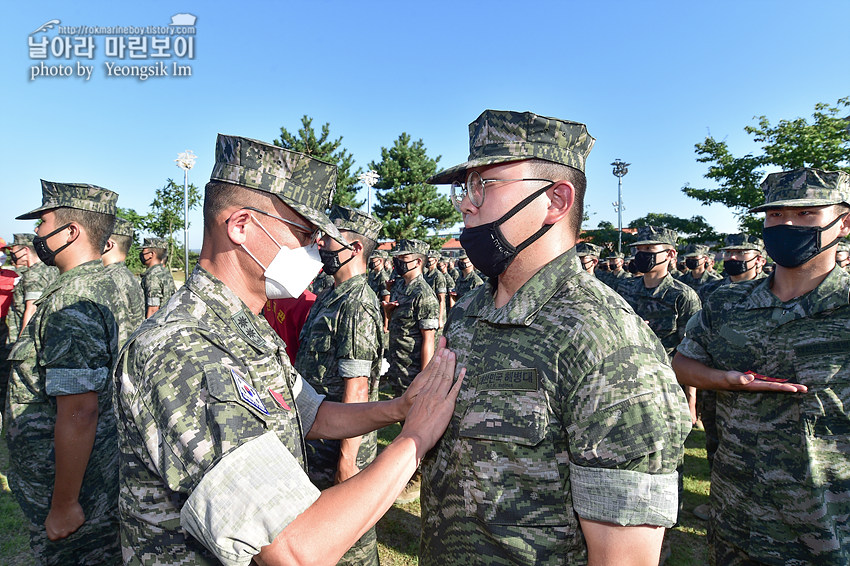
(833, 292)
(92, 266)
(526, 303)
(338, 291)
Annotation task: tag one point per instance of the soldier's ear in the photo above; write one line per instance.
(237, 226)
(110, 243)
(561, 199)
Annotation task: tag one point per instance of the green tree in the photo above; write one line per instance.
(322, 147)
(407, 205)
(139, 221)
(607, 236)
(823, 143)
(691, 230)
(166, 216)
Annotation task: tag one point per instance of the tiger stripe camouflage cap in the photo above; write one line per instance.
(155, 243)
(648, 235)
(73, 195)
(123, 227)
(302, 182)
(696, 250)
(586, 248)
(804, 187)
(500, 136)
(410, 247)
(357, 221)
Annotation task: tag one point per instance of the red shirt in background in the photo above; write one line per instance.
(7, 286)
(287, 317)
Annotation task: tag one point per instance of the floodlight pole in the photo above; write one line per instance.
(620, 170)
(186, 161)
(369, 178)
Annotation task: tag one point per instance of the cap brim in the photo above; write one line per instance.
(36, 213)
(456, 173)
(795, 203)
(750, 248)
(647, 243)
(318, 219)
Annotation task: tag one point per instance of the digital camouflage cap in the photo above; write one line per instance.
(357, 221)
(22, 239)
(302, 182)
(500, 136)
(743, 242)
(73, 195)
(123, 227)
(696, 250)
(804, 187)
(410, 247)
(615, 255)
(155, 244)
(586, 248)
(648, 235)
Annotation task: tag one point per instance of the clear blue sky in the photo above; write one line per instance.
(650, 79)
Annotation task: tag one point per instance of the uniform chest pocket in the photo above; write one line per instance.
(511, 474)
(319, 342)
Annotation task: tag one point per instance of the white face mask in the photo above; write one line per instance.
(291, 271)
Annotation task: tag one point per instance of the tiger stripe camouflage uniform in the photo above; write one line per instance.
(378, 278)
(37, 279)
(567, 406)
(417, 310)
(129, 304)
(203, 383)
(15, 316)
(158, 285)
(438, 281)
(343, 338)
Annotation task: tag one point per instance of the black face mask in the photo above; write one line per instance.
(330, 260)
(586, 265)
(692, 262)
(792, 246)
(631, 267)
(45, 254)
(13, 257)
(401, 267)
(486, 246)
(735, 267)
(602, 267)
(645, 261)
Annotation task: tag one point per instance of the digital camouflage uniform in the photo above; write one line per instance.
(67, 348)
(321, 282)
(378, 278)
(584, 249)
(466, 283)
(157, 282)
(780, 484)
(417, 310)
(129, 305)
(212, 416)
(342, 338)
(15, 316)
(438, 281)
(36, 280)
(708, 276)
(567, 407)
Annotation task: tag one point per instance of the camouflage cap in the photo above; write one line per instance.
(804, 187)
(743, 242)
(357, 221)
(647, 235)
(410, 247)
(73, 195)
(843, 247)
(302, 182)
(500, 136)
(434, 254)
(586, 248)
(615, 255)
(695, 250)
(23, 239)
(155, 243)
(462, 255)
(123, 227)
(381, 254)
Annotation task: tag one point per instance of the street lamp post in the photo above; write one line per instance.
(369, 178)
(620, 170)
(185, 161)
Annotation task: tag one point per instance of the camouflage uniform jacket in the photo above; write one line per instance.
(714, 285)
(417, 310)
(212, 419)
(695, 284)
(341, 338)
(466, 283)
(67, 348)
(129, 305)
(667, 307)
(378, 282)
(16, 310)
(568, 409)
(320, 283)
(34, 281)
(780, 484)
(158, 285)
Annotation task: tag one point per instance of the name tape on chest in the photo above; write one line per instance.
(248, 393)
(522, 379)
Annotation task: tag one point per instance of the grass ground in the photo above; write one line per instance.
(398, 531)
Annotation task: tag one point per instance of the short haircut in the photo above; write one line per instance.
(219, 196)
(122, 242)
(556, 172)
(368, 243)
(98, 226)
(159, 253)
